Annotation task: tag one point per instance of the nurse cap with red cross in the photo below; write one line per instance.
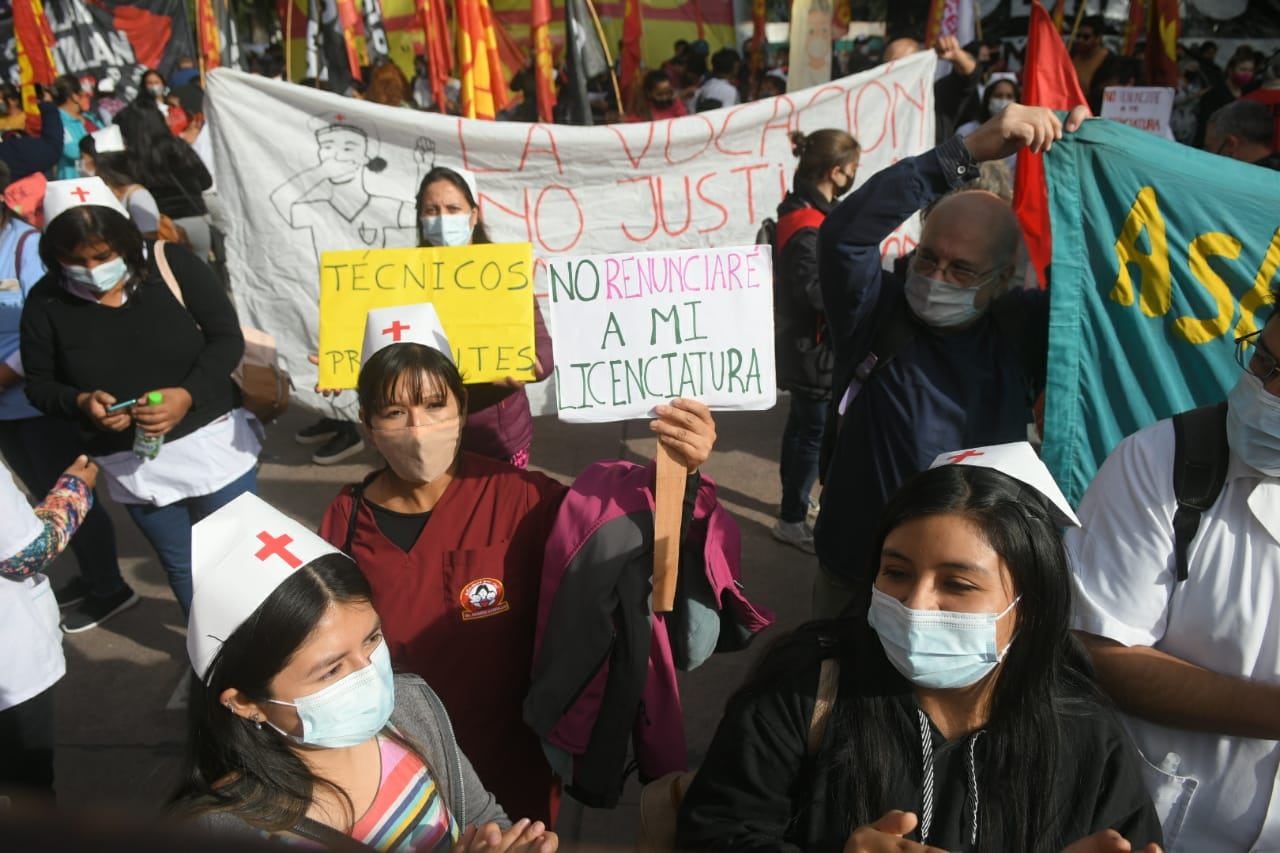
(1019, 461)
(404, 324)
(239, 555)
(61, 196)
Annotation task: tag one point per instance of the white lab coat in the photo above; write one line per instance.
(1212, 793)
(29, 630)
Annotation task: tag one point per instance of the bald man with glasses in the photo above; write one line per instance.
(941, 355)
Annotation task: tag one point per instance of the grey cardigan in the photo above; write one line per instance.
(421, 718)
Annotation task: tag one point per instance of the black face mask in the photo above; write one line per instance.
(663, 103)
(842, 191)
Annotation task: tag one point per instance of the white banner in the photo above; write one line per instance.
(1147, 108)
(654, 326)
(301, 171)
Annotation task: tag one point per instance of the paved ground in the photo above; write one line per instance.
(120, 735)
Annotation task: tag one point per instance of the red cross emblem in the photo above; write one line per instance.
(960, 457)
(80, 193)
(277, 546)
(395, 329)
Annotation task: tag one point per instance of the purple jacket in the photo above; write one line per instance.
(604, 673)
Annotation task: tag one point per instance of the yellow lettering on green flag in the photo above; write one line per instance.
(483, 295)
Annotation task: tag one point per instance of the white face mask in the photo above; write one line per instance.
(450, 229)
(998, 105)
(419, 454)
(938, 649)
(101, 278)
(1253, 425)
(351, 710)
(941, 304)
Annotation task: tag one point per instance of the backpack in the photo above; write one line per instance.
(264, 384)
(1200, 459)
(167, 230)
(660, 800)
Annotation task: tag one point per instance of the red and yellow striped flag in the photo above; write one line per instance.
(351, 25)
(210, 38)
(933, 28)
(1060, 13)
(632, 35)
(1136, 27)
(34, 39)
(544, 70)
(435, 27)
(484, 89)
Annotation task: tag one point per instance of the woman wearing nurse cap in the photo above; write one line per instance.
(297, 727)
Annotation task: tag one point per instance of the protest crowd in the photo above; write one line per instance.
(1029, 452)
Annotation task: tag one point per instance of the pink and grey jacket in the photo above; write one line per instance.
(604, 671)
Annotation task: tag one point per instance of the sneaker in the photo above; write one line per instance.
(319, 432)
(95, 610)
(794, 533)
(71, 593)
(344, 445)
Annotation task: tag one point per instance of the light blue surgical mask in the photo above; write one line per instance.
(449, 229)
(940, 303)
(938, 649)
(1253, 425)
(101, 278)
(349, 712)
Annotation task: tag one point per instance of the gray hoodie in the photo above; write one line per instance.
(421, 718)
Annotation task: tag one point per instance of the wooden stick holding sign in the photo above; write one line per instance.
(668, 499)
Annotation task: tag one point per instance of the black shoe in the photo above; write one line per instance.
(71, 593)
(319, 432)
(344, 445)
(95, 610)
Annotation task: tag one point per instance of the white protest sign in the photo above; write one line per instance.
(649, 327)
(1147, 108)
(302, 171)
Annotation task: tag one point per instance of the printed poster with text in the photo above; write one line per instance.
(638, 330)
(483, 295)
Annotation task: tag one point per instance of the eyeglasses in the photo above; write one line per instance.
(1252, 355)
(956, 272)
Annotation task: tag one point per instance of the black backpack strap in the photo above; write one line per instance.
(357, 496)
(333, 840)
(894, 329)
(1200, 459)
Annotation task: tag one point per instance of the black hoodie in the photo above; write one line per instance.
(803, 353)
(758, 789)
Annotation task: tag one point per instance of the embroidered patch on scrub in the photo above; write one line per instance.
(483, 597)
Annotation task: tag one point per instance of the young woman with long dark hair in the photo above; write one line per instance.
(965, 718)
(100, 333)
(297, 727)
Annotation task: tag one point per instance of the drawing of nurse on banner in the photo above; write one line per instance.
(331, 201)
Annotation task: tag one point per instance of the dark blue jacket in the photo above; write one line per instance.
(942, 391)
(26, 155)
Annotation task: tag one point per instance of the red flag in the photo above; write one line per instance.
(544, 70)
(34, 40)
(351, 25)
(1162, 43)
(435, 27)
(758, 21)
(484, 86)
(632, 33)
(933, 29)
(1050, 82)
(210, 38)
(1136, 26)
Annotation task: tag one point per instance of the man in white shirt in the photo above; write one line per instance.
(720, 90)
(1195, 663)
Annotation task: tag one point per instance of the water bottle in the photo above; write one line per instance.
(148, 446)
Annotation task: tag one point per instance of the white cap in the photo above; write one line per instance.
(108, 140)
(61, 196)
(239, 555)
(404, 324)
(1019, 461)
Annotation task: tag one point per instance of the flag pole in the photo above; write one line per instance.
(288, 34)
(608, 55)
(1075, 28)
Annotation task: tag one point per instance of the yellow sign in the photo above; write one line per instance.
(483, 295)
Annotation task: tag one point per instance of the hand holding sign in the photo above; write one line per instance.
(687, 429)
